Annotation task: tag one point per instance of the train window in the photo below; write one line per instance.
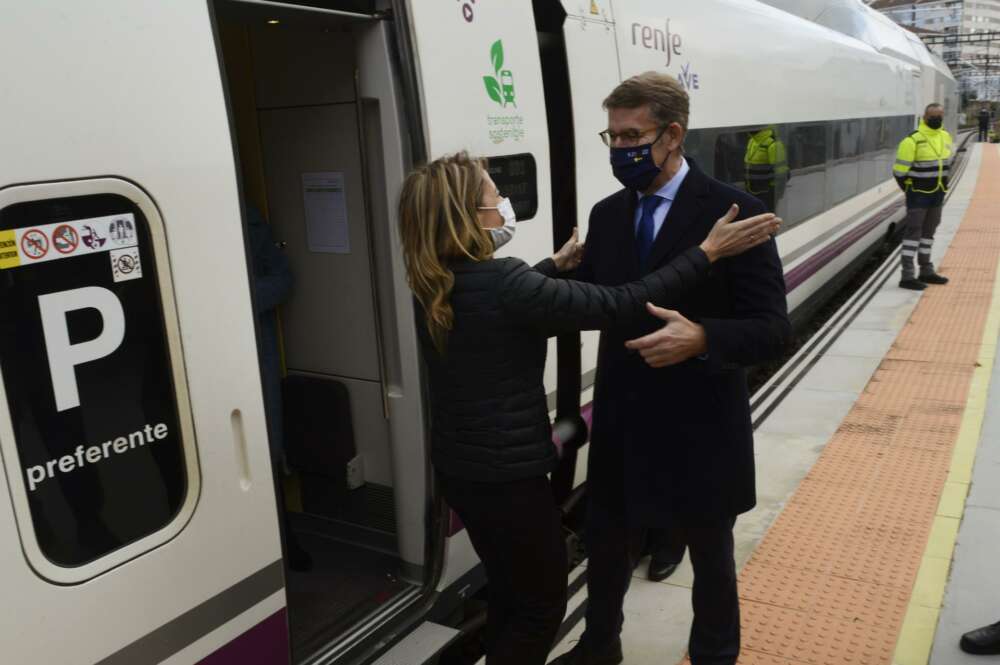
(516, 176)
(844, 169)
(871, 129)
(799, 170)
(729, 150)
(805, 193)
(94, 421)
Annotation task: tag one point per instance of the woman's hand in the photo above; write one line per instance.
(729, 238)
(570, 255)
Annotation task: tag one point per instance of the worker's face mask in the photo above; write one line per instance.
(935, 122)
(504, 234)
(634, 166)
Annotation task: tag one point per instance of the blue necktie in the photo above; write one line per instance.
(645, 236)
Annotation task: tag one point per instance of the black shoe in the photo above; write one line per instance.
(983, 641)
(912, 284)
(661, 570)
(933, 278)
(582, 654)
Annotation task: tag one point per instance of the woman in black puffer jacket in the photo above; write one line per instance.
(484, 325)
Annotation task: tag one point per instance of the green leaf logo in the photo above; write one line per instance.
(496, 53)
(493, 89)
(500, 87)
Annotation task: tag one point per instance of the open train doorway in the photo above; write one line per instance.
(319, 154)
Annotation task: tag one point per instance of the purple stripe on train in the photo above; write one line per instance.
(264, 644)
(802, 272)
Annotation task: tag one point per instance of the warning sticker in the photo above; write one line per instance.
(122, 231)
(65, 239)
(34, 245)
(125, 264)
(9, 257)
(51, 242)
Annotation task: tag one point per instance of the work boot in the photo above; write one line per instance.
(983, 641)
(583, 654)
(932, 278)
(912, 284)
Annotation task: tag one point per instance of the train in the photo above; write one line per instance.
(142, 521)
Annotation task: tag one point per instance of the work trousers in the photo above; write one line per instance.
(516, 530)
(613, 548)
(919, 227)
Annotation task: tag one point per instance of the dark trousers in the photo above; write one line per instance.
(613, 549)
(517, 532)
(665, 545)
(984, 133)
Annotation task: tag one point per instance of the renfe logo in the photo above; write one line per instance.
(655, 39)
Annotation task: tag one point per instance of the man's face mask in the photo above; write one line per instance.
(634, 167)
(504, 234)
(934, 122)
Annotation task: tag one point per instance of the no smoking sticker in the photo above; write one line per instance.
(125, 264)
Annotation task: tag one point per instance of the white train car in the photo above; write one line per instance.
(142, 522)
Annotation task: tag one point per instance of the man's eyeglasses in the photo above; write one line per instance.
(629, 138)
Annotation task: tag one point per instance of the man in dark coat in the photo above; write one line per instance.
(672, 441)
(984, 124)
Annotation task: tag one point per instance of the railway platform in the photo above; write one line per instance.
(877, 529)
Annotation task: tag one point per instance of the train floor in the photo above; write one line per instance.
(877, 529)
(345, 583)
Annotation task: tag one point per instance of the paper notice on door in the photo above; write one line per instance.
(326, 212)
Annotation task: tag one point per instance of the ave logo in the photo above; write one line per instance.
(689, 78)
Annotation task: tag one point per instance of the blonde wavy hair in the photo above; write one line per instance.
(438, 224)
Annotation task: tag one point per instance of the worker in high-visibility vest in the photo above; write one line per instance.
(923, 161)
(766, 166)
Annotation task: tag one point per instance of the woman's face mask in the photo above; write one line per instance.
(504, 234)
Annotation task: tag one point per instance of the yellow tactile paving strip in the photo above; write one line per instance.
(853, 570)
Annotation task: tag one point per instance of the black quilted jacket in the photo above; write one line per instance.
(489, 419)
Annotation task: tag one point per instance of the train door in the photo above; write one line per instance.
(318, 127)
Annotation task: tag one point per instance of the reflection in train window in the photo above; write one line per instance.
(801, 170)
(805, 194)
(844, 168)
(872, 169)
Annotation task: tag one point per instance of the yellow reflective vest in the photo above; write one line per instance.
(764, 161)
(923, 161)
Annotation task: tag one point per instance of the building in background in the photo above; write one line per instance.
(965, 33)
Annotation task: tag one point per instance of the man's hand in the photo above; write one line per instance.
(674, 343)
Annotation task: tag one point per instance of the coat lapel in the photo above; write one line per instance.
(683, 214)
(624, 241)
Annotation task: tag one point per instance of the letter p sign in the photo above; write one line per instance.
(64, 356)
